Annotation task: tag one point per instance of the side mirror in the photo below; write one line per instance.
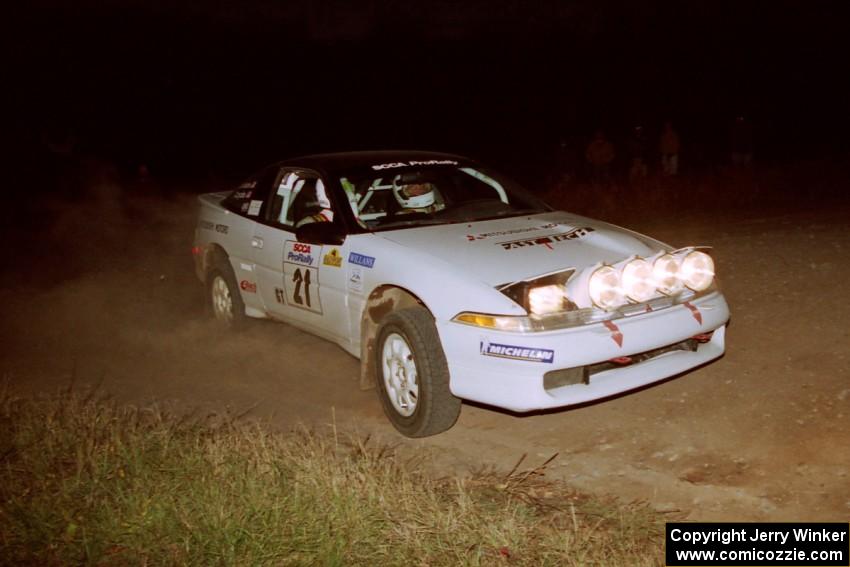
(320, 233)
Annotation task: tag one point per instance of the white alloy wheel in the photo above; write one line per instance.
(412, 374)
(222, 301)
(399, 373)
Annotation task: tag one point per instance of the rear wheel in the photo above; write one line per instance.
(412, 375)
(224, 299)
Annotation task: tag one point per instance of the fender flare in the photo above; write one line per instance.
(382, 301)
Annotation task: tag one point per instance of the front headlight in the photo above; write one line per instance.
(697, 271)
(541, 295)
(547, 299)
(604, 288)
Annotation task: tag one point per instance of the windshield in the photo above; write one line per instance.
(402, 195)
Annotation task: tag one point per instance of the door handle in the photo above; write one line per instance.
(256, 242)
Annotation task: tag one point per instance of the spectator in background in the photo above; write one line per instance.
(600, 155)
(741, 142)
(669, 147)
(637, 152)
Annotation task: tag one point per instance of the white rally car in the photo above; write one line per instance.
(450, 282)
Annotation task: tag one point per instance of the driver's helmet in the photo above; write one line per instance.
(413, 195)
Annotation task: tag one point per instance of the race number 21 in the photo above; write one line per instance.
(298, 279)
(302, 288)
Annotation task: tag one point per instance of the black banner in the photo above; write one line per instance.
(761, 544)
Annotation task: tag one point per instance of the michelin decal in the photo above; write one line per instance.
(517, 352)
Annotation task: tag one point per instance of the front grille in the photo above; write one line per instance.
(583, 374)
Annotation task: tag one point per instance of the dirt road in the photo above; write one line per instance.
(105, 294)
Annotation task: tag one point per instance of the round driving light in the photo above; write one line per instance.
(637, 280)
(665, 272)
(697, 271)
(604, 288)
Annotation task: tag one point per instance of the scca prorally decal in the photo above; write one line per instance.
(299, 258)
(517, 352)
(247, 286)
(301, 253)
(392, 165)
(483, 235)
(546, 241)
(361, 260)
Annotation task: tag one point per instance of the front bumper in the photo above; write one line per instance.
(507, 369)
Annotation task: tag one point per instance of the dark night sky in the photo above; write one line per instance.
(194, 86)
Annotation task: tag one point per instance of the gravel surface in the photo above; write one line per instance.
(104, 294)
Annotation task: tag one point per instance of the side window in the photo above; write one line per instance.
(249, 197)
(287, 185)
(300, 198)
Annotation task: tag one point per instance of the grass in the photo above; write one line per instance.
(85, 481)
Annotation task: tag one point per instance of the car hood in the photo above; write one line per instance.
(503, 251)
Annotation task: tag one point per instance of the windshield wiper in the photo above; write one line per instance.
(503, 214)
(412, 222)
(519, 212)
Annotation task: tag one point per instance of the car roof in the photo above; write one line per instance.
(348, 160)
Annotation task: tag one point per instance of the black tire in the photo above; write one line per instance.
(433, 408)
(223, 298)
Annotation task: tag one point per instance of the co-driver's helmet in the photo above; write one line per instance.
(413, 195)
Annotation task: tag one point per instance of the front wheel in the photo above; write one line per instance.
(224, 299)
(412, 375)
